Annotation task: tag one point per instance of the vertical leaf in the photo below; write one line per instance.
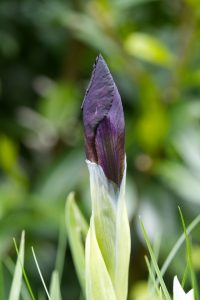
(77, 229)
(104, 202)
(99, 284)
(55, 293)
(17, 279)
(123, 246)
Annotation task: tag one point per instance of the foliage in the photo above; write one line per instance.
(46, 50)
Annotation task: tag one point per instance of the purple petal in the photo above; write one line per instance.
(103, 120)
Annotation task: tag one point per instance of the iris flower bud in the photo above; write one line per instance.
(107, 249)
(103, 121)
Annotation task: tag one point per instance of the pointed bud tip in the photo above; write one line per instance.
(103, 121)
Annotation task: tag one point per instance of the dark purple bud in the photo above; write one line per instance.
(103, 120)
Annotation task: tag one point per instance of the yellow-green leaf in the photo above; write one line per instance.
(148, 48)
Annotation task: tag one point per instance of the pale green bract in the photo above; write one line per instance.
(107, 249)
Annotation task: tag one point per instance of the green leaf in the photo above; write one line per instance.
(183, 181)
(104, 214)
(122, 246)
(177, 246)
(55, 287)
(52, 185)
(61, 250)
(111, 227)
(148, 48)
(17, 279)
(77, 229)
(154, 262)
(152, 275)
(40, 273)
(98, 282)
(189, 254)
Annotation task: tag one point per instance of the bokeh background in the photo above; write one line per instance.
(47, 49)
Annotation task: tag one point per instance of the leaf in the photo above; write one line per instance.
(98, 282)
(55, 293)
(52, 185)
(177, 246)
(122, 246)
(17, 279)
(154, 263)
(180, 179)
(40, 273)
(126, 4)
(148, 48)
(189, 254)
(77, 229)
(111, 227)
(104, 202)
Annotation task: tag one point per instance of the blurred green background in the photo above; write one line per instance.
(47, 49)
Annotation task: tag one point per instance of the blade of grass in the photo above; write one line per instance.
(17, 279)
(178, 244)
(151, 276)
(185, 274)
(163, 286)
(40, 273)
(24, 274)
(55, 286)
(160, 294)
(10, 266)
(189, 254)
(156, 249)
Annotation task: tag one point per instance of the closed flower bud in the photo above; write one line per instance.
(103, 121)
(107, 249)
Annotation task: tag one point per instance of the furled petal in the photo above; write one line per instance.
(178, 292)
(103, 120)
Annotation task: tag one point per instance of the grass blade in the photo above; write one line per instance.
(17, 279)
(152, 277)
(189, 254)
(154, 262)
(24, 275)
(10, 266)
(178, 244)
(176, 247)
(40, 273)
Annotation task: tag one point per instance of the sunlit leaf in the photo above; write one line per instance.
(148, 48)
(180, 180)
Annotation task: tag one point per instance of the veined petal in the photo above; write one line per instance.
(178, 292)
(103, 120)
